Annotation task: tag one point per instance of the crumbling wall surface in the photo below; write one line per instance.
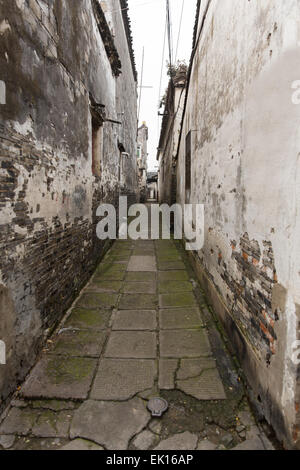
(142, 142)
(126, 95)
(52, 60)
(168, 144)
(243, 113)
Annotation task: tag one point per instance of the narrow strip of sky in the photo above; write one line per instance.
(148, 19)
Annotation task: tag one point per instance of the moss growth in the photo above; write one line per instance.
(173, 276)
(110, 276)
(95, 300)
(147, 276)
(69, 370)
(79, 343)
(174, 286)
(106, 286)
(184, 299)
(54, 405)
(138, 301)
(110, 267)
(82, 318)
(189, 414)
(48, 417)
(165, 265)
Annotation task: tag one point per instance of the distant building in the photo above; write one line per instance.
(168, 143)
(152, 186)
(142, 155)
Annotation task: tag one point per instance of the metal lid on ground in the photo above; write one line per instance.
(157, 406)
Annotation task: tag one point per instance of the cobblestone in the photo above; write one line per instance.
(136, 332)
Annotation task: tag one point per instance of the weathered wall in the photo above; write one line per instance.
(52, 58)
(142, 142)
(126, 97)
(245, 169)
(167, 182)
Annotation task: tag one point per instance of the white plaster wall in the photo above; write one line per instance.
(245, 158)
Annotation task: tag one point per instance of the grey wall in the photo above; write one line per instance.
(167, 182)
(245, 169)
(52, 57)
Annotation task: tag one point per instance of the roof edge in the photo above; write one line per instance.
(127, 25)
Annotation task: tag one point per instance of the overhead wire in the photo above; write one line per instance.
(162, 61)
(169, 29)
(141, 86)
(179, 30)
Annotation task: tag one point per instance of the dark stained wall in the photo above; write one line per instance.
(55, 58)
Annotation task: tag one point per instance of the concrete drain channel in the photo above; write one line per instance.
(157, 407)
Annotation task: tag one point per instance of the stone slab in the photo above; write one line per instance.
(7, 441)
(171, 266)
(104, 286)
(52, 424)
(184, 343)
(156, 426)
(190, 368)
(18, 421)
(138, 301)
(110, 265)
(140, 276)
(252, 444)
(109, 276)
(184, 441)
(123, 244)
(60, 377)
(206, 445)
(167, 369)
(144, 252)
(168, 257)
(120, 250)
(142, 263)
(143, 243)
(208, 386)
(187, 318)
(82, 343)
(164, 243)
(88, 319)
(54, 405)
(144, 440)
(93, 300)
(119, 379)
(166, 287)
(147, 287)
(164, 276)
(131, 344)
(183, 299)
(135, 320)
(246, 418)
(119, 257)
(81, 444)
(111, 425)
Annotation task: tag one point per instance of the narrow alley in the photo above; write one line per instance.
(149, 226)
(141, 328)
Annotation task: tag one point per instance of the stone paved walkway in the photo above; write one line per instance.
(140, 329)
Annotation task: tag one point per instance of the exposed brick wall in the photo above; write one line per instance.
(252, 295)
(240, 110)
(48, 263)
(57, 58)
